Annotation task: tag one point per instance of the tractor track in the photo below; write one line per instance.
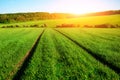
(97, 57)
(22, 65)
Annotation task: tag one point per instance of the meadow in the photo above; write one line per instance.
(61, 53)
(29, 52)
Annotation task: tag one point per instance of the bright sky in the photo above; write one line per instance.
(62, 6)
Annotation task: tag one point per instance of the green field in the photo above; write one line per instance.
(92, 20)
(14, 44)
(60, 40)
(60, 54)
(99, 41)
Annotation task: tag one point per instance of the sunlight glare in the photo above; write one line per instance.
(79, 6)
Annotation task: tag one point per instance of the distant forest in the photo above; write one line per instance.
(21, 17)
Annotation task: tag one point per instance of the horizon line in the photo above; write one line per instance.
(59, 12)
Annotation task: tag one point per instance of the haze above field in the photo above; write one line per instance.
(55, 6)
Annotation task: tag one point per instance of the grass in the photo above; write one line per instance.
(93, 20)
(57, 57)
(102, 42)
(14, 44)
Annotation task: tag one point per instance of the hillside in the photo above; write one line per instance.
(22, 17)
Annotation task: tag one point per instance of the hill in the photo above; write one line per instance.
(22, 17)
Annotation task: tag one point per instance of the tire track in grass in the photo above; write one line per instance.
(43, 63)
(97, 57)
(22, 65)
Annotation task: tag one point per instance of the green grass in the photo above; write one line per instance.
(93, 20)
(102, 42)
(58, 58)
(14, 44)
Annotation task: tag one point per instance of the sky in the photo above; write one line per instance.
(58, 6)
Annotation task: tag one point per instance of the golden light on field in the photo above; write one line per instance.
(79, 6)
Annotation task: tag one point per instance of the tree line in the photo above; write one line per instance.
(21, 17)
(111, 12)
